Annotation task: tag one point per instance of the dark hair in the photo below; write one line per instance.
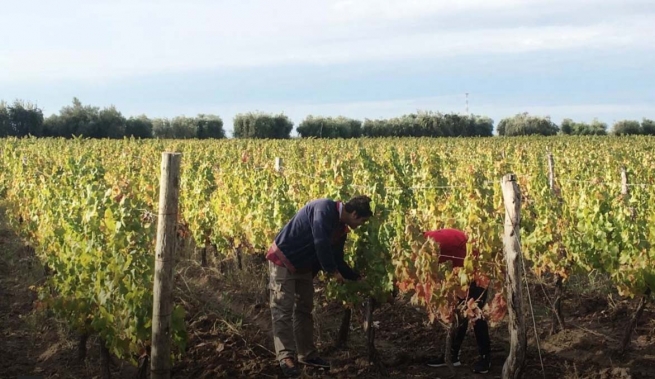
(361, 205)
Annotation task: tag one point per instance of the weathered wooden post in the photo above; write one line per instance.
(551, 172)
(160, 364)
(625, 193)
(624, 182)
(279, 164)
(513, 368)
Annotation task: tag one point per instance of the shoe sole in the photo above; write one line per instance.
(456, 364)
(480, 372)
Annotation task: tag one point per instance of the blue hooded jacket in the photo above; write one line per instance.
(314, 239)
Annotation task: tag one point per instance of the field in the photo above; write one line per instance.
(79, 230)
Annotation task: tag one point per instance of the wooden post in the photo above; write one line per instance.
(624, 182)
(160, 363)
(278, 164)
(625, 193)
(551, 172)
(513, 368)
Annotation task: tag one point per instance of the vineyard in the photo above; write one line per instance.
(88, 208)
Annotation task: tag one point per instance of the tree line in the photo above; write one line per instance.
(24, 119)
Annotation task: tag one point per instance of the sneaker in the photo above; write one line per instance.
(289, 369)
(315, 362)
(440, 361)
(483, 365)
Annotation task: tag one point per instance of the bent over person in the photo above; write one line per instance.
(312, 240)
(452, 246)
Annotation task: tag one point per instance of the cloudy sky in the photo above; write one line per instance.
(581, 59)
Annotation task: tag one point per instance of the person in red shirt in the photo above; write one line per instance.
(452, 247)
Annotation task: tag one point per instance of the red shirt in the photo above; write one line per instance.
(452, 245)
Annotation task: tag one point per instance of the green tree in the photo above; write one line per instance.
(329, 127)
(502, 125)
(110, 124)
(74, 120)
(583, 129)
(429, 124)
(483, 126)
(161, 128)
(4, 120)
(626, 127)
(139, 127)
(567, 126)
(262, 125)
(22, 119)
(209, 126)
(648, 127)
(524, 124)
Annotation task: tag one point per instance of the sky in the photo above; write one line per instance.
(578, 59)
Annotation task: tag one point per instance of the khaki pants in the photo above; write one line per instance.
(292, 300)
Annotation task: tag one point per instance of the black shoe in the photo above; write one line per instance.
(483, 365)
(440, 361)
(316, 362)
(289, 371)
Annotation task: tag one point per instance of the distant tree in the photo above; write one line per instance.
(596, 128)
(583, 129)
(429, 124)
(329, 127)
(648, 127)
(110, 124)
(483, 126)
(183, 127)
(161, 128)
(5, 125)
(262, 125)
(502, 125)
(20, 119)
(626, 127)
(524, 124)
(139, 127)
(567, 126)
(209, 126)
(74, 120)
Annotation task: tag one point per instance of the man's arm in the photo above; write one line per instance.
(345, 270)
(322, 227)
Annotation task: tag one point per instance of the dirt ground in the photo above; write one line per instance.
(229, 327)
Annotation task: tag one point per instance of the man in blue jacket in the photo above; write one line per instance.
(313, 240)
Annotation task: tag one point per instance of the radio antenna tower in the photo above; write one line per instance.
(467, 104)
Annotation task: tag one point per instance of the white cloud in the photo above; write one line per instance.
(102, 40)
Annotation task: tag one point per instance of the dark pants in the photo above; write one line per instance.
(481, 328)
